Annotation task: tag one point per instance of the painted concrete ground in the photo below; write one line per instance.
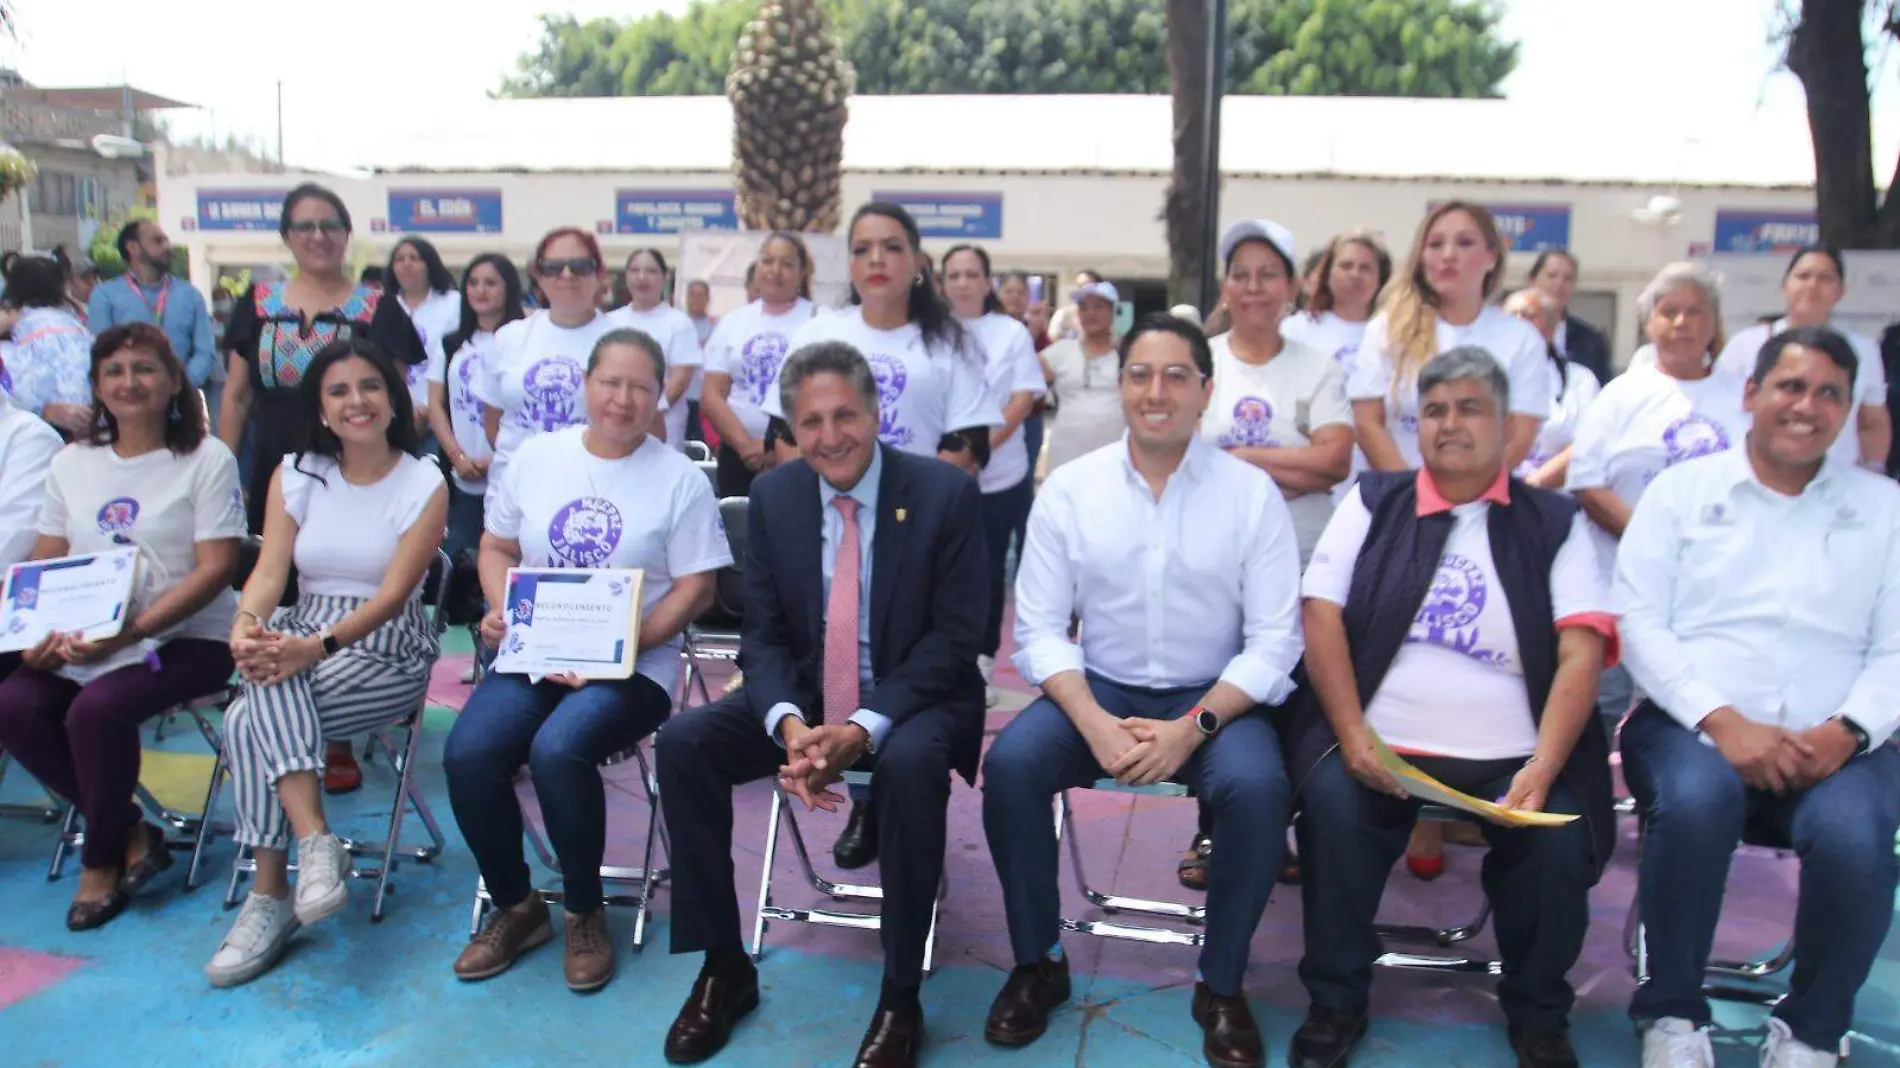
(353, 993)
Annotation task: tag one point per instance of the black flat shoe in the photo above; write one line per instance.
(857, 844)
(157, 858)
(86, 915)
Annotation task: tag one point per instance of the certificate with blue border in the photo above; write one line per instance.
(88, 595)
(580, 621)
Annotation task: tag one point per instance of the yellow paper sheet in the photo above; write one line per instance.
(1425, 788)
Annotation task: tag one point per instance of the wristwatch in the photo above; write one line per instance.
(330, 644)
(1862, 742)
(1206, 721)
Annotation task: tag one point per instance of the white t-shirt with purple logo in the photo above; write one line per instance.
(1560, 429)
(535, 373)
(1278, 404)
(925, 390)
(1327, 332)
(465, 405)
(1514, 343)
(679, 342)
(1870, 377)
(161, 503)
(1457, 686)
(347, 535)
(653, 510)
(1013, 368)
(748, 346)
(439, 316)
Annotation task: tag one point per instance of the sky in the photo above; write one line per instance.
(1674, 61)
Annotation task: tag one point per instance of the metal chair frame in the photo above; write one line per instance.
(697, 451)
(645, 879)
(46, 813)
(1443, 937)
(701, 644)
(1113, 904)
(783, 813)
(1636, 942)
(402, 760)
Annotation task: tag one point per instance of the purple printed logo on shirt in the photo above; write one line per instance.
(118, 515)
(891, 379)
(1448, 618)
(585, 532)
(758, 364)
(1345, 354)
(1408, 423)
(550, 394)
(1253, 418)
(463, 394)
(1691, 437)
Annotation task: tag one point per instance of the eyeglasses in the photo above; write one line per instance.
(326, 227)
(581, 266)
(1174, 376)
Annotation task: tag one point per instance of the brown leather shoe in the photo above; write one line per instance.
(705, 1022)
(1020, 1013)
(590, 951)
(892, 1040)
(1231, 1038)
(508, 935)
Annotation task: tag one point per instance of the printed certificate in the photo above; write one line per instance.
(89, 595)
(581, 621)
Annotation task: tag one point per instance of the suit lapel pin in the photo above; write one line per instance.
(901, 513)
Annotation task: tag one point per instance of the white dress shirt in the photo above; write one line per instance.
(1785, 608)
(1200, 585)
(27, 445)
(876, 724)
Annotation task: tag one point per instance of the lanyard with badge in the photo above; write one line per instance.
(158, 309)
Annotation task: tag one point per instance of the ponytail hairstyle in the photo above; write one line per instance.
(925, 307)
(991, 302)
(1323, 288)
(1411, 306)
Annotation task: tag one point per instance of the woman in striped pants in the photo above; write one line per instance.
(361, 519)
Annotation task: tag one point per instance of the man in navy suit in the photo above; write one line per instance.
(865, 604)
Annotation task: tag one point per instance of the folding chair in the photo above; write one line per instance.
(783, 813)
(710, 468)
(714, 636)
(1749, 973)
(46, 813)
(402, 760)
(1113, 904)
(1444, 937)
(698, 451)
(645, 879)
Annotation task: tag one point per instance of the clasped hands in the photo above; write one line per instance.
(817, 757)
(56, 650)
(265, 657)
(1141, 752)
(1775, 758)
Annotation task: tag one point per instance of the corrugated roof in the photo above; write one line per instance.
(1355, 137)
(93, 98)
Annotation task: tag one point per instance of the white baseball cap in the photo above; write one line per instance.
(1266, 230)
(1104, 290)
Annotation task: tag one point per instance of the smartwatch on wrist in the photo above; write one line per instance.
(330, 644)
(1205, 721)
(1862, 741)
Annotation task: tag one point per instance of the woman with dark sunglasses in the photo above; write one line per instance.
(531, 380)
(276, 330)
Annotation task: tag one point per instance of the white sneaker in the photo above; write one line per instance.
(323, 877)
(1782, 1050)
(1673, 1042)
(264, 926)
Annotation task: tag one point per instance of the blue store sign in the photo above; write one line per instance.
(952, 216)
(1765, 231)
(240, 209)
(445, 211)
(672, 211)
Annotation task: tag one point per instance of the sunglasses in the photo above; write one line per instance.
(327, 227)
(580, 266)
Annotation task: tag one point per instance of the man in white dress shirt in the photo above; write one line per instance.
(1182, 565)
(1759, 591)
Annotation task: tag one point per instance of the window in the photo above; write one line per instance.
(54, 193)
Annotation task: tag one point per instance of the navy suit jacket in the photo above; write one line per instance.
(929, 597)
(1588, 347)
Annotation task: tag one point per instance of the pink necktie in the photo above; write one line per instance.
(841, 621)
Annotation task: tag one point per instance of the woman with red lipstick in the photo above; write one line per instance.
(743, 358)
(1441, 301)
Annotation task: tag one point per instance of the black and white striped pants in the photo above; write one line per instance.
(274, 730)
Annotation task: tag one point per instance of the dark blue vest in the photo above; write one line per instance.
(1393, 574)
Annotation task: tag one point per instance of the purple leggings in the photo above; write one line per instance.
(82, 742)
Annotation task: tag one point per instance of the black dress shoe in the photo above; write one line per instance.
(705, 1022)
(157, 858)
(1230, 1037)
(1020, 1013)
(1543, 1047)
(892, 1040)
(1326, 1039)
(86, 915)
(857, 844)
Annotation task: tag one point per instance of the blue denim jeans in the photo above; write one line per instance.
(1238, 774)
(562, 735)
(1694, 805)
(465, 521)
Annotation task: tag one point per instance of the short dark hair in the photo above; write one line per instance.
(1818, 249)
(184, 417)
(1163, 323)
(34, 281)
(1829, 341)
(312, 191)
(129, 235)
(826, 357)
(440, 280)
(1544, 257)
(639, 339)
(320, 439)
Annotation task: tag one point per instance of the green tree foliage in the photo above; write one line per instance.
(1333, 47)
